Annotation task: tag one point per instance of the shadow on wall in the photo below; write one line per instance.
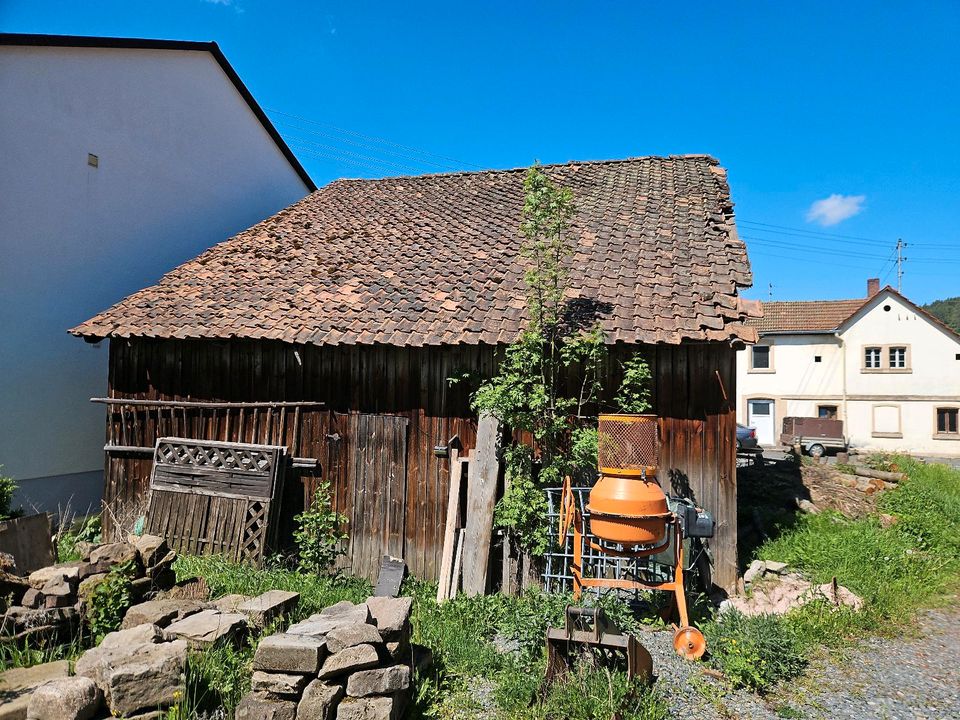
(79, 492)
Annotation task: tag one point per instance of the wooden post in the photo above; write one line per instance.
(481, 494)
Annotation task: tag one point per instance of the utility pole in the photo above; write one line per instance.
(900, 260)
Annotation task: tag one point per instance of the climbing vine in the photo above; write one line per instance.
(531, 391)
(548, 378)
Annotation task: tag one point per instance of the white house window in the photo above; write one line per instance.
(827, 411)
(898, 357)
(761, 357)
(886, 421)
(947, 421)
(871, 358)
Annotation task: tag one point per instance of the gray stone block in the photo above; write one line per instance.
(371, 708)
(114, 553)
(271, 604)
(257, 706)
(283, 684)
(71, 698)
(151, 548)
(351, 634)
(32, 599)
(70, 571)
(391, 616)
(206, 627)
(290, 653)
(129, 637)
(346, 609)
(319, 701)
(380, 681)
(138, 677)
(358, 657)
(160, 612)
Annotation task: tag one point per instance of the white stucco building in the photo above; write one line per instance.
(121, 159)
(887, 368)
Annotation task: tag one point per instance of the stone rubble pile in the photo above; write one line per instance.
(769, 588)
(50, 602)
(138, 671)
(348, 662)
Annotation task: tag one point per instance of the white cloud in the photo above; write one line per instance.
(835, 209)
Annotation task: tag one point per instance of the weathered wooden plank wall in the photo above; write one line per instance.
(411, 383)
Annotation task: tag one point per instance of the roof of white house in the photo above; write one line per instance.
(827, 316)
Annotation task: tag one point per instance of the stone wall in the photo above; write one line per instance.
(348, 662)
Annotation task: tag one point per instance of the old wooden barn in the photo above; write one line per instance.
(332, 328)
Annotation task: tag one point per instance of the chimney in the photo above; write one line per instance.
(873, 286)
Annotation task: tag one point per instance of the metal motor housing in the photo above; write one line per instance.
(696, 522)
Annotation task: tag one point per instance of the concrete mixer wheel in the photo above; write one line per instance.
(689, 643)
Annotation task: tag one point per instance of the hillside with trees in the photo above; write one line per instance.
(947, 310)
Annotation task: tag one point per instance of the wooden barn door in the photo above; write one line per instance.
(378, 466)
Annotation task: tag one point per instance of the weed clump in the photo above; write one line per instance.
(755, 652)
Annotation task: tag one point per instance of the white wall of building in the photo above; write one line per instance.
(888, 409)
(183, 164)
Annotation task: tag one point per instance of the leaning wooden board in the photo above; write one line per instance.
(450, 532)
(482, 474)
(214, 497)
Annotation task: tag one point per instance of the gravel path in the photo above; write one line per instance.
(916, 677)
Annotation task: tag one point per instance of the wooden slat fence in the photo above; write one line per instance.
(209, 497)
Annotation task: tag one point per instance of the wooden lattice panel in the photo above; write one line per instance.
(215, 498)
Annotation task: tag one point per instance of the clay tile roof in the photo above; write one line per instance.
(805, 315)
(435, 259)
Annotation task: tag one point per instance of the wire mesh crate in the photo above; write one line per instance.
(557, 576)
(627, 444)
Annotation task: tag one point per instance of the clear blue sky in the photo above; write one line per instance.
(799, 101)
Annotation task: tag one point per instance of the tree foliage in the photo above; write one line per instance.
(530, 392)
(551, 377)
(947, 310)
(7, 488)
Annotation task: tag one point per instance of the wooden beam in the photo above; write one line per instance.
(204, 403)
(482, 477)
(297, 462)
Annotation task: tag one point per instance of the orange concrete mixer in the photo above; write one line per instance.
(631, 517)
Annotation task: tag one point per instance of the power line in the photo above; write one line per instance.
(808, 232)
(351, 153)
(364, 146)
(807, 248)
(815, 234)
(767, 253)
(313, 152)
(374, 138)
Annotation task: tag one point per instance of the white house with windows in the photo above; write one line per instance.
(887, 368)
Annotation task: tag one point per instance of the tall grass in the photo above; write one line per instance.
(896, 569)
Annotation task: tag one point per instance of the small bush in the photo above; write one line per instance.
(754, 652)
(320, 533)
(7, 488)
(109, 601)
